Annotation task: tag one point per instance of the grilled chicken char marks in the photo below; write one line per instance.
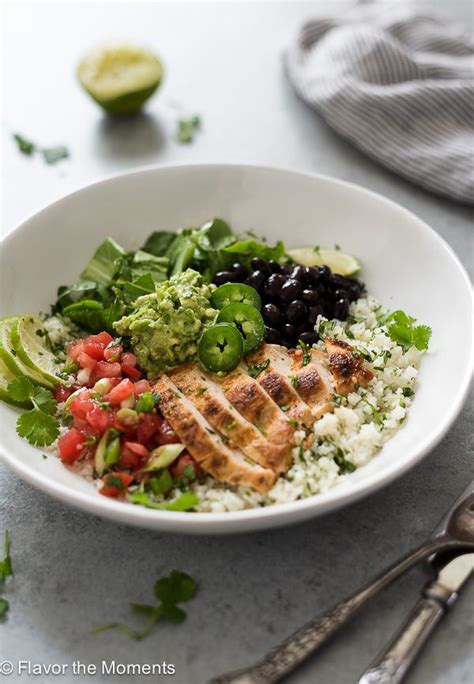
(216, 458)
(210, 400)
(276, 380)
(315, 384)
(254, 404)
(346, 369)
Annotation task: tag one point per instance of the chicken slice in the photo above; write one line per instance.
(254, 404)
(278, 380)
(217, 459)
(347, 369)
(236, 431)
(313, 381)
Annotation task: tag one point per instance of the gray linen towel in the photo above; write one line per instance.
(396, 83)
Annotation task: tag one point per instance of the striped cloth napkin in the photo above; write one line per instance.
(398, 84)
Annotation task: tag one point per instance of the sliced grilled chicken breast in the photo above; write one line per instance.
(236, 431)
(314, 383)
(346, 369)
(216, 458)
(278, 380)
(254, 404)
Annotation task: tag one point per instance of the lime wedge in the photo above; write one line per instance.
(120, 78)
(10, 358)
(338, 261)
(28, 341)
(6, 376)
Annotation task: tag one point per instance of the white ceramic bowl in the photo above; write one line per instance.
(405, 264)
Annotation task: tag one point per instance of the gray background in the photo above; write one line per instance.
(74, 571)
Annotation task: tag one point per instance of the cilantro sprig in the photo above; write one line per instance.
(51, 155)
(6, 570)
(402, 329)
(177, 588)
(39, 425)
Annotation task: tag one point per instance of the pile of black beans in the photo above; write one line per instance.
(293, 296)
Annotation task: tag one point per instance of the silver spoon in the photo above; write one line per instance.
(455, 533)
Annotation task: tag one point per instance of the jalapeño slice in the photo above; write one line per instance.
(220, 348)
(248, 321)
(230, 293)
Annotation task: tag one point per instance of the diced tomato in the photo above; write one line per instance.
(111, 489)
(74, 349)
(103, 369)
(142, 386)
(129, 460)
(99, 419)
(129, 359)
(137, 448)
(113, 353)
(62, 392)
(176, 469)
(103, 338)
(94, 349)
(131, 371)
(71, 445)
(122, 391)
(166, 434)
(86, 361)
(148, 426)
(81, 404)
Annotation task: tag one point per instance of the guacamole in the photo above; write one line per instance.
(165, 326)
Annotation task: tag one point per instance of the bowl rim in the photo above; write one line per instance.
(277, 514)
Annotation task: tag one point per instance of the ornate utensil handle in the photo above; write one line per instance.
(288, 655)
(391, 665)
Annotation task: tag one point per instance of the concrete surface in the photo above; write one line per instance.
(74, 571)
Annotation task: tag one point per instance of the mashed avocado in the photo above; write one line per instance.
(165, 326)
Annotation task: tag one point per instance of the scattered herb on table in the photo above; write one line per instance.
(177, 588)
(187, 127)
(6, 570)
(51, 155)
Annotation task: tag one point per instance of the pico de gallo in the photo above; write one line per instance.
(114, 422)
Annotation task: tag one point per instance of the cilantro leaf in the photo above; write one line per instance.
(20, 389)
(38, 427)
(4, 606)
(306, 352)
(6, 569)
(25, 146)
(402, 329)
(187, 128)
(254, 371)
(176, 588)
(44, 400)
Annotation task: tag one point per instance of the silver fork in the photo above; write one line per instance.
(454, 534)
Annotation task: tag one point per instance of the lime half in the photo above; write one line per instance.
(28, 340)
(120, 78)
(338, 261)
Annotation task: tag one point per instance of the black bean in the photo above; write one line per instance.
(260, 265)
(240, 270)
(289, 332)
(305, 326)
(341, 309)
(324, 273)
(298, 273)
(225, 277)
(309, 337)
(274, 284)
(312, 274)
(272, 336)
(295, 311)
(314, 312)
(274, 266)
(310, 295)
(290, 289)
(289, 344)
(355, 292)
(338, 281)
(256, 280)
(271, 314)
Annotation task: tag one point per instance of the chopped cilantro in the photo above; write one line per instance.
(408, 392)
(25, 146)
(294, 380)
(254, 371)
(51, 155)
(306, 352)
(378, 418)
(201, 390)
(337, 399)
(6, 568)
(187, 128)
(230, 425)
